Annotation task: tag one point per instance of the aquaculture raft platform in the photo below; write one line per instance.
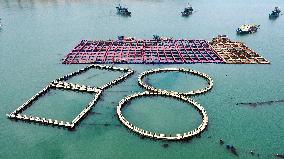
(143, 51)
(236, 52)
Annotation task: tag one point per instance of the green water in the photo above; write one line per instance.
(36, 34)
(95, 77)
(172, 80)
(65, 105)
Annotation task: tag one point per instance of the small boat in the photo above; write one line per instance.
(275, 13)
(248, 29)
(121, 37)
(129, 38)
(156, 37)
(125, 38)
(123, 10)
(187, 10)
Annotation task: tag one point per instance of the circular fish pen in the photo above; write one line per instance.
(159, 136)
(152, 91)
(184, 70)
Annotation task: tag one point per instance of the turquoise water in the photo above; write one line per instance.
(65, 105)
(37, 34)
(95, 77)
(172, 80)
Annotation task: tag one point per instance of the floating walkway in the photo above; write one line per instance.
(236, 52)
(143, 51)
(184, 70)
(172, 94)
(61, 84)
(158, 136)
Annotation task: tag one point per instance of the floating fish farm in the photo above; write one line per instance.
(61, 84)
(143, 51)
(185, 97)
(236, 52)
(163, 51)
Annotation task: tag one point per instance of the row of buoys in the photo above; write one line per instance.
(159, 70)
(39, 120)
(61, 84)
(173, 94)
(30, 101)
(71, 86)
(97, 66)
(86, 110)
(145, 133)
(128, 73)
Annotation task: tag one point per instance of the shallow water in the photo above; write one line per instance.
(37, 34)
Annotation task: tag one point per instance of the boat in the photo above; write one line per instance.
(158, 38)
(275, 13)
(121, 37)
(123, 10)
(248, 29)
(129, 38)
(125, 38)
(187, 10)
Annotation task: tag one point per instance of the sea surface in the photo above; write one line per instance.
(37, 34)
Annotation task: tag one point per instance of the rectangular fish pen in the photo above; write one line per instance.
(142, 52)
(236, 52)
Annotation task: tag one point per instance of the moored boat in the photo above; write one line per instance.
(123, 10)
(187, 10)
(275, 13)
(248, 29)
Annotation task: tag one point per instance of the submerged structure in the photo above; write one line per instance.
(236, 52)
(137, 51)
(248, 29)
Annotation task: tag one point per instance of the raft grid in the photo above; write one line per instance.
(236, 52)
(143, 51)
(61, 84)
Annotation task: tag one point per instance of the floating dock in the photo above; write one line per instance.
(143, 51)
(236, 52)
